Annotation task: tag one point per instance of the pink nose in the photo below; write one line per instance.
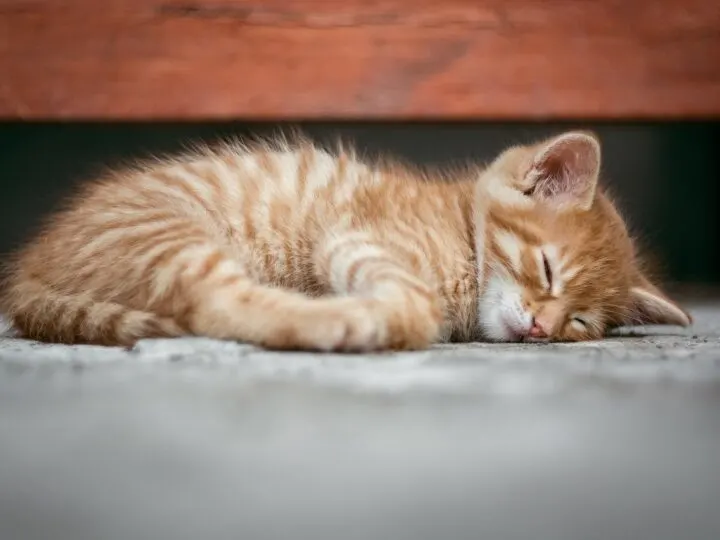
(537, 330)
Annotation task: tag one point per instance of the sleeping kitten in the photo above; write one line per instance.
(291, 247)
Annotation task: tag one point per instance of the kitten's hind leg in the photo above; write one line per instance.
(405, 310)
(380, 304)
(228, 304)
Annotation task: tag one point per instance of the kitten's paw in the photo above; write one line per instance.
(350, 326)
(336, 324)
(374, 326)
(356, 325)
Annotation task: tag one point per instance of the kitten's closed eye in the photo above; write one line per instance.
(548, 272)
(579, 321)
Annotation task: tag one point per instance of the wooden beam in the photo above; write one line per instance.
(359, 59)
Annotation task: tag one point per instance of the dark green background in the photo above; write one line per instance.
(665, 176)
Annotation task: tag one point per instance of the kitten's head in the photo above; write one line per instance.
(560, 264)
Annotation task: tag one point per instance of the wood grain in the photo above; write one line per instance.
(359, 59)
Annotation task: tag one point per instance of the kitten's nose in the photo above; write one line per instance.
(536, 330)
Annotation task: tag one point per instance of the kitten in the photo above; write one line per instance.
(288, 246)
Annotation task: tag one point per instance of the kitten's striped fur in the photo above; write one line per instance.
(289, 246)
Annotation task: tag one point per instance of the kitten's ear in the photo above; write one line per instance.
(564, 170)
(651, 306)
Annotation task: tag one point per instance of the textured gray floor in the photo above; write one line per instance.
(195, 439)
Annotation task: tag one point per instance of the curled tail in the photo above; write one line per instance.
(38, 312)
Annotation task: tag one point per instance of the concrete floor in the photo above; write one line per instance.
(196, 439)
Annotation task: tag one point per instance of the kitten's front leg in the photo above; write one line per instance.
(404, 309)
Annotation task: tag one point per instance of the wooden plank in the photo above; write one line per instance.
(359, 59)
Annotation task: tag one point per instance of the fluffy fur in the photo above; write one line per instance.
(289, 246)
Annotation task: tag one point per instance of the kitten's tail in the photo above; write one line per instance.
(38, 312)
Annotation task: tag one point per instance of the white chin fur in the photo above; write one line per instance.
(500, 312)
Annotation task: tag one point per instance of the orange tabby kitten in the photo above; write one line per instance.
(288, 246)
